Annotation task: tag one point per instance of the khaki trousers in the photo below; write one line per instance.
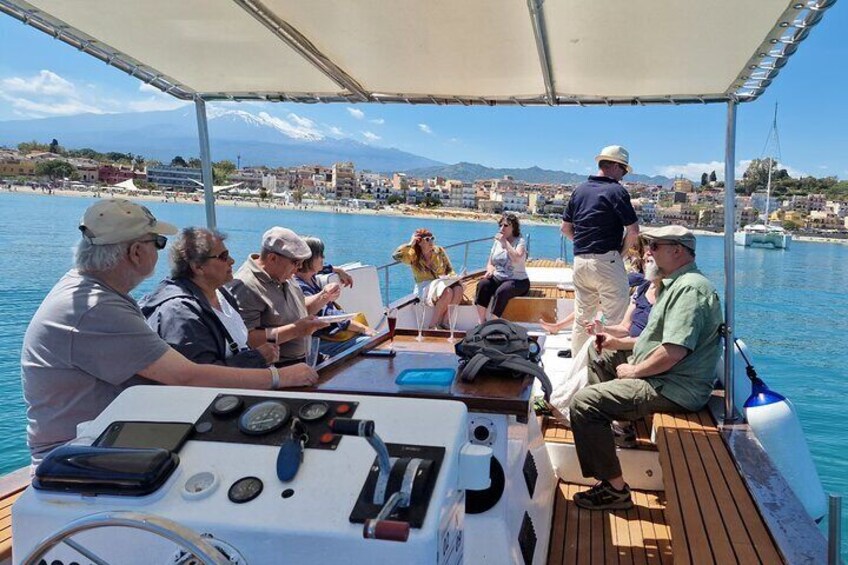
(600, 283)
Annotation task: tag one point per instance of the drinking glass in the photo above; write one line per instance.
(453, 309)
(391, 319)
(312, 351)
(419, 317)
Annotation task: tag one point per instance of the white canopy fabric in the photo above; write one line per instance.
(439, 51)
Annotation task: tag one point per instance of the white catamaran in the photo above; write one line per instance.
(461, 472)
(766, 234)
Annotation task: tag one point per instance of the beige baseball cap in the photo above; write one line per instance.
(678, 234)
(286, 243)
(616, 154)
(116, 220)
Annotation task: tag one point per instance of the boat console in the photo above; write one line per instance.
(276, 477)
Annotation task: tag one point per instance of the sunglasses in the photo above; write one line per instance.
(428, 238)
(654, 245)
(222, 256)
(159, 242)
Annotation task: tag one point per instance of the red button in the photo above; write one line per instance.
(327, 438)
(342, 408)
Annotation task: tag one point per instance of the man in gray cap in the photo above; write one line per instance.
(272, 306)
(88, 340)
(601, 222)
(672, 368)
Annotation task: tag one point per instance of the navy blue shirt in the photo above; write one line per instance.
(599, 210)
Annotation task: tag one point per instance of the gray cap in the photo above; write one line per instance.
(286, 243)
(678, 234)
(116, 220)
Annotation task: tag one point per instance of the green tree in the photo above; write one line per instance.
(195, 163)
(55, 169)
(33, 147)
(713, 177)
(54, 147)
(178, 161)
(222, 170)
(756, 176)
(138, 163)
(395, 199)
(705, 179)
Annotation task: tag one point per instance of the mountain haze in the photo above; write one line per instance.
(260, 139)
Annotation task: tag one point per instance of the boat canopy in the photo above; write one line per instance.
(470, 52)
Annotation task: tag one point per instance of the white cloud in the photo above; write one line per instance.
(454, 140)
(46, 83)
(356, 113)
(336, 131)
(294, 126)
(33, 109)
(425, 128)
(144, 87)
(378, 121)
(693, 171)
(155, 103)
(370, 136)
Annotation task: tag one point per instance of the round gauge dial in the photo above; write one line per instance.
(264, 418)
(226, 405)
(312, 411)
(245, 490)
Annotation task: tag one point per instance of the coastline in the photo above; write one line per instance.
(403, 211)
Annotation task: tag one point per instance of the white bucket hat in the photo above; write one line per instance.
(616, 154)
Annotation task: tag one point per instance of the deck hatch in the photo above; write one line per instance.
(531, 473)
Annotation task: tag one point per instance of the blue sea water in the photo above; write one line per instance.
(791, 306)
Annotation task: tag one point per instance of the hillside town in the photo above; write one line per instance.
(342, 186)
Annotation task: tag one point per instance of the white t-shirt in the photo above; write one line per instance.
(231, 319)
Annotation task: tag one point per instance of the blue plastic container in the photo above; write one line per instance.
(426, 378)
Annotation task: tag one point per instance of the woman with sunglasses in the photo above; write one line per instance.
(506, 275)
(194, 313)
(433, 273)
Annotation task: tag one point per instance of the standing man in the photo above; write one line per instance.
(672, 368)
(88, 340)
(271, 303)
(601, 222)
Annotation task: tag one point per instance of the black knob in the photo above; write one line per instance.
(352, 427)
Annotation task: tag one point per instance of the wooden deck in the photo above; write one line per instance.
(711, 514)
(11, 487)
(556, 432)
(540, 302)
(636, 536)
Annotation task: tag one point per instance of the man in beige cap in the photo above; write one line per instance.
(601, 222)
(88, 340)
(672, 368)
(271, 304)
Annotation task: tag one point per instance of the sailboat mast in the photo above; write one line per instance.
(770, 166)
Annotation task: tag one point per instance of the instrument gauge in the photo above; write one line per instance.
(245, 490)
(264, 418)
(227, 405)
(312, 411)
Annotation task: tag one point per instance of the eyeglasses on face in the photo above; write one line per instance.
(298, 263)
(159, 242)
(654, 245)
(222, 256)
(430, 238)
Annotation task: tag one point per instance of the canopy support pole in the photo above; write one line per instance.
(537, 18)
(729, 260)
(205, 162)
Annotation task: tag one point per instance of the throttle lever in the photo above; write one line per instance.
(365, 428)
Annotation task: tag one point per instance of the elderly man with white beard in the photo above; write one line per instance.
(671, 369)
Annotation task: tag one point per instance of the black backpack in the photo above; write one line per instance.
(503, 347)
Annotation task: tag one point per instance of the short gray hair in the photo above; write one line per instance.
(192, 246)
(89, 257)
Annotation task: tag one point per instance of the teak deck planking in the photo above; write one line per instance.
(710, 512)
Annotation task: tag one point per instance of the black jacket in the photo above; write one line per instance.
(180, 313)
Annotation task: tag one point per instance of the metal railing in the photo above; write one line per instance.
(385, 268)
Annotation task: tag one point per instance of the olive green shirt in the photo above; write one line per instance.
(266, 303)
(687, 313)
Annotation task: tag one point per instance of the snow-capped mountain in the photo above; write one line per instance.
(260, 138)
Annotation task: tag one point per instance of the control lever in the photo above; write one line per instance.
(365, 428)
(391, 530)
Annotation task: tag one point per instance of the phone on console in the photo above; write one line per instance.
(165, 435)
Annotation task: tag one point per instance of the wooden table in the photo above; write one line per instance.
(376, 376)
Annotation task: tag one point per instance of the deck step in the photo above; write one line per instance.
(710, 512)
(638, 535)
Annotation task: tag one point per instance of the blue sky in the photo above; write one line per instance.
(41, 77)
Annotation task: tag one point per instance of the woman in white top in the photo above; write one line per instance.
(506, 275)
(192, 310)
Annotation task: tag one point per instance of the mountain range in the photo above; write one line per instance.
(259, 138)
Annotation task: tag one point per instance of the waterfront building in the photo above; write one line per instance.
(175, 178)
(110, 174)
(344, 181)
